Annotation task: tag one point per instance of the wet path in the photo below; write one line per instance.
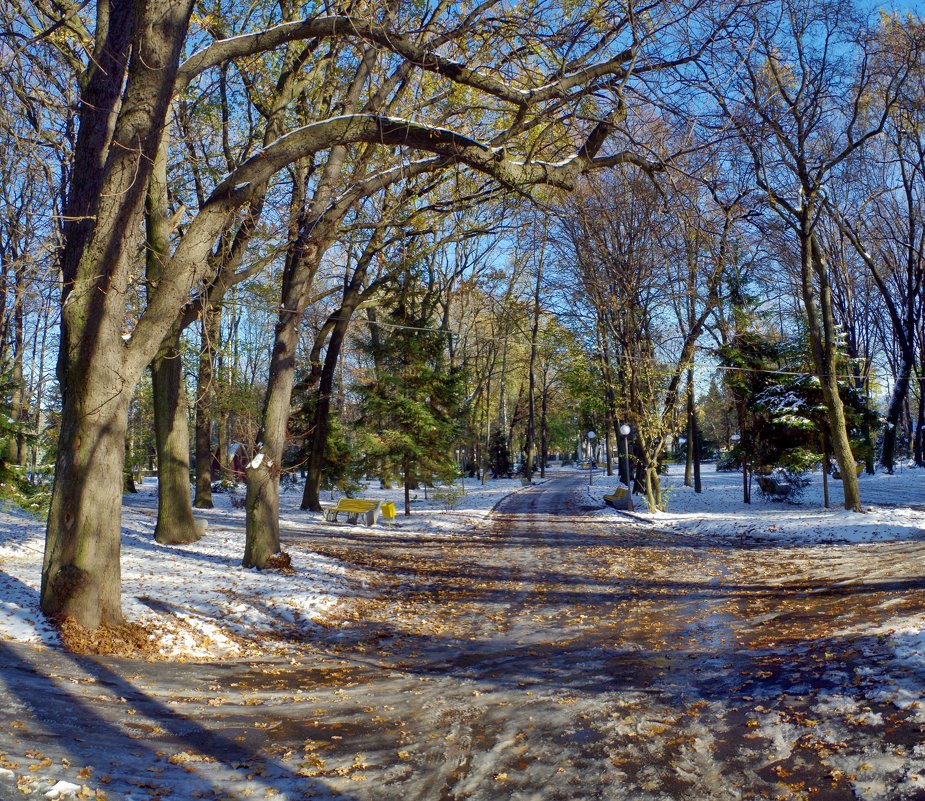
(551, 655)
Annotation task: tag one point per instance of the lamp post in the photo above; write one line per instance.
(746, 495)
(625, 433)
(591, 436)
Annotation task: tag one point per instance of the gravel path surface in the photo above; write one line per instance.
(546, 656)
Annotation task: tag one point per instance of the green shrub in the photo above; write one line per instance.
(449, 496)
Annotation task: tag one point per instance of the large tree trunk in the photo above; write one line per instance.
(262, 504)
(97, 369)
(175, 522)
(262, 474)
(262, 535)
(205, 394)
(81, 574)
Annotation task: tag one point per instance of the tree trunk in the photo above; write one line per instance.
(894, 413)
(544, 429)
(81, 574)
(175, 522)
(531, 396)
(262, 504)
(746, 483)
(97, 369)
(920, 421)
(653, 488)
(262, 535)
(15, 445)
(822, 345)
(689, 461)
(128, 480)
(406, 477)
(311, 495)
(205, 394)
(693, 433)
(16, 450)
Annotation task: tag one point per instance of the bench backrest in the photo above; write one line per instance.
(356, 505)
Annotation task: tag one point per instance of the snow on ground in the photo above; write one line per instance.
(196, 599)
(894, 508)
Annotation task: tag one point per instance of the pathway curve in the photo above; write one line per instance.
(550, 655)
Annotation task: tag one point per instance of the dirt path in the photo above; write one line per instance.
(549, 656)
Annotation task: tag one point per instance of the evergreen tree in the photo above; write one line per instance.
(500, 455)
(410, 407)
(783, 419)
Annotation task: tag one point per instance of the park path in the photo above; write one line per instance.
(549, 655)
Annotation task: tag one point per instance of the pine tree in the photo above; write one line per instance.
(409, 409)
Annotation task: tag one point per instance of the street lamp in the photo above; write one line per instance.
(746, 496)
(591, 436)
(625, 433)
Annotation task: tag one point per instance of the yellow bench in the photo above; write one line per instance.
(354, 508)
(618, 500)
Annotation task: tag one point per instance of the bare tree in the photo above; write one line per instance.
(806, 93)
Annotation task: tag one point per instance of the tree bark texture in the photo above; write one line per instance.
(262, 504)
(81, 574)
(531, 397)
(544, 428)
